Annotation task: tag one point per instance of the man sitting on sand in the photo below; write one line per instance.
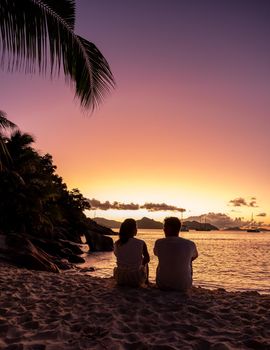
(175, 255)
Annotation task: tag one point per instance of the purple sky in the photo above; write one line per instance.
(188, 123)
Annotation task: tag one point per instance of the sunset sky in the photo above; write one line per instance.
(188, 123)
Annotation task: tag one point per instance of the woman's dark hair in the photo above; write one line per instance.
(127, 230)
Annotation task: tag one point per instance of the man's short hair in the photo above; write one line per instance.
(174, 223)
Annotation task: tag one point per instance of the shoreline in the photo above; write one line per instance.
(41, 310)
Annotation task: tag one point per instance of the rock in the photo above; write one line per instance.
(74, 247)
(75, 259)
(87, 269)
(93, 226)
(65, 252)
(98, 242)
(61, 249)
(65, 233)
(63, 264)
(51, 247)
(24, 253)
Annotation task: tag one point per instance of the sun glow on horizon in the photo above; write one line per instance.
(195, 198)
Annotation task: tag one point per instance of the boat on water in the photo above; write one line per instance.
(183, 228)
(253, 227)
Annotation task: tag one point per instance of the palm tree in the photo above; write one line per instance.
(4, 124)
(39, 34)
(34, 199)
(23, 187)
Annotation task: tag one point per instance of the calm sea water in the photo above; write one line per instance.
(236, 261)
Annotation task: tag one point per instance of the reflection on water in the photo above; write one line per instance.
(230, 260)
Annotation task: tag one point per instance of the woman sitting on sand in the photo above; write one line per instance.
(131, 256)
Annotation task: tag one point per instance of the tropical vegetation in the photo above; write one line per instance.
(34, 199)
(38, 35)
(4, 124)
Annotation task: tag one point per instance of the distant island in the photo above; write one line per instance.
(235, 228)
(146, 223)
(198, 226)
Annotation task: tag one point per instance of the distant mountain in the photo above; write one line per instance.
(107, 223)
(147, 223)
(236, 228)
(144, 223)
(198, 226)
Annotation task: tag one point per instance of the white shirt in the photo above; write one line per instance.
(175, 255)
(129, 254)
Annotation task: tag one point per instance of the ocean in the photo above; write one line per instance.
(235, 261)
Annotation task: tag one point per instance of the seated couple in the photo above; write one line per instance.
(175, 255)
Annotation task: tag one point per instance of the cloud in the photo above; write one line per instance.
(253, 204)
(261, 214)
(161, 207)
(242, 202)
(219, 220)
(96, 204)
(123, 206)
(238, 202)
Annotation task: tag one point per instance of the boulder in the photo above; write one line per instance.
(75, 259)
(51, 247)
(66, 233)
(63, 264)
(93, 226)
(74, 247)
(98, 242)
(58, 249)
(23, 253)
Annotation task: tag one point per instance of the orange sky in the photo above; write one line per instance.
(188, 123)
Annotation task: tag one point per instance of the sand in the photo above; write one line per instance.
(40, 310)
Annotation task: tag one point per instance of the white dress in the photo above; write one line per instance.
(129, 256)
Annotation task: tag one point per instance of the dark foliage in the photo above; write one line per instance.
(34, 199)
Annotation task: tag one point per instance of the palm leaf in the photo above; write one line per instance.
(36, 34)
(20, 140)
(63, 8)
(100, 80)
(4, 122)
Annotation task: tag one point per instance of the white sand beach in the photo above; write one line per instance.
(40, 310)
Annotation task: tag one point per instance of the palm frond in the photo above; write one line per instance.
(93, 87)
(21, 140)
(4, 153)
(65, 9)
(35, 34)
(4, 122)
